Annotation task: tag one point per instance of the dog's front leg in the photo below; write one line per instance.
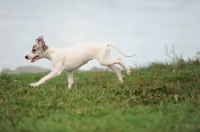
(70, 79)
(54, 73)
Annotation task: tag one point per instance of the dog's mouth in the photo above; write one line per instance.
(35, 58)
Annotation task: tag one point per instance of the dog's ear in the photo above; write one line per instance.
(40, 40)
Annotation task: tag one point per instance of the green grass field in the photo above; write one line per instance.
(157, 98)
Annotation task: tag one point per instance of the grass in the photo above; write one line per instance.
(159, 98)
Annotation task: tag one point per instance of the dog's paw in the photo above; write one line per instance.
(128, 71)
(121, 81)
(33, 85)
(70, 85)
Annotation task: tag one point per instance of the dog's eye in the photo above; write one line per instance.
(33, 50)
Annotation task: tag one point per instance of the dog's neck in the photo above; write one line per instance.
(48, 54)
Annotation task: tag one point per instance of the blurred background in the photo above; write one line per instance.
(144, 27)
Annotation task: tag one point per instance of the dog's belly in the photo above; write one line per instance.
(74, 64)
(79, 55)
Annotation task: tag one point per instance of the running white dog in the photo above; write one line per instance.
(71, 58)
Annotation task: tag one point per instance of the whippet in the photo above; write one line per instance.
(71, 58)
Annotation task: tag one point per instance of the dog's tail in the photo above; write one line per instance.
(116, 47)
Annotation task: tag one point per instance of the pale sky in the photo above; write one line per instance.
(143, 27)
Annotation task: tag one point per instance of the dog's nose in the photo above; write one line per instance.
(26, 56)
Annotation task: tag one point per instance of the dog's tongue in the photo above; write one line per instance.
(35, 58)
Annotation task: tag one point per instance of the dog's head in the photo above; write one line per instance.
(38, 50)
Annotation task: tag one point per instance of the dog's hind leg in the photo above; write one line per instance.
(120, 62)
(107, 61)
(117, 71)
